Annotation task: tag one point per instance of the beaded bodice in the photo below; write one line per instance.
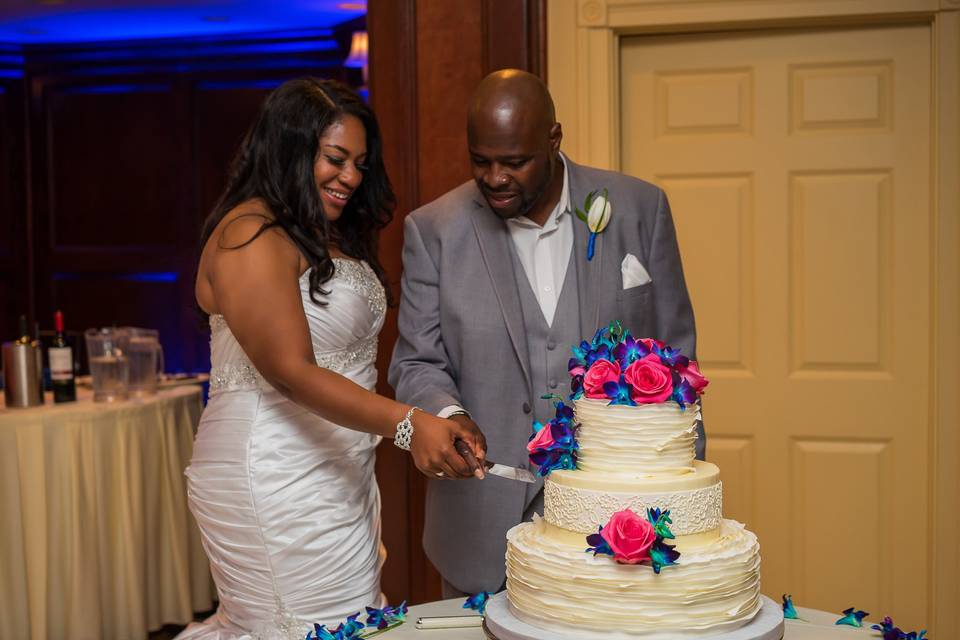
(343, 331)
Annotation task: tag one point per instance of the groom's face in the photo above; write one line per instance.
(513, 159)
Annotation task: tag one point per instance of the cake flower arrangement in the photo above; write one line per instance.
(631, 539)
(625, 370)
(554, 445)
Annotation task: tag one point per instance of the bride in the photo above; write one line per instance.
(282, 476)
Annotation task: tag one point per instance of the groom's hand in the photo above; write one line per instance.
(432, 446)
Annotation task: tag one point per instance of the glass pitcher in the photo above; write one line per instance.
(146, 360)
(107, 354)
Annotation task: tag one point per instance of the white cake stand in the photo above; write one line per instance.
(500, 623)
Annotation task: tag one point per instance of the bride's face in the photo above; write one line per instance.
(340, 163)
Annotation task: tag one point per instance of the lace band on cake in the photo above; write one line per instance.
(577, 509)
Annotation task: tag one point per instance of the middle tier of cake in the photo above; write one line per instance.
(580, 501)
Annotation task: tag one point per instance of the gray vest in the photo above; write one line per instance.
(549, 346)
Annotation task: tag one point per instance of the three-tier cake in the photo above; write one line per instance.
(632, 538)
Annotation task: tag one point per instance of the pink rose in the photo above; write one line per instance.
(577, 371)
(693, 377)
(543, 440)
(650, 381)
(599, 373)
(629, 536)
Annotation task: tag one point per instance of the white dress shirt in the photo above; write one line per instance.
(544, 253)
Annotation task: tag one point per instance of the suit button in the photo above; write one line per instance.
(551, 345)
(553, 384)
(526, 407)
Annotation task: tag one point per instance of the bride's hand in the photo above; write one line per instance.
(433, 450)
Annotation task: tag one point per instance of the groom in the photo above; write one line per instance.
(496, 289)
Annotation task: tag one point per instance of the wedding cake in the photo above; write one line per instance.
(632, 539)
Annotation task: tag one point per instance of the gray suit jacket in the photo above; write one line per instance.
(462, 341)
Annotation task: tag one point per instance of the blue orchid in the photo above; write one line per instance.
(662, 555)
(671, 357)
(892, 632)
(598, 544)
(477, 602)
(383, 618)
(789, 612)
(349, 630)
(660, 521)
(629, 351)
(852, 617)
(619, 392)
(683, 392)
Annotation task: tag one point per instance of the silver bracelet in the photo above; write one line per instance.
(405, 431)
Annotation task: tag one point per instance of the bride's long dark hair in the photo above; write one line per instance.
(275, 164)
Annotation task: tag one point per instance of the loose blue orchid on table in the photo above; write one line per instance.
(892, 632)
(477, 602)
(852, 617)
(789, 612)
(378, 620)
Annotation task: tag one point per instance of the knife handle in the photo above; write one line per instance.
(467, 454)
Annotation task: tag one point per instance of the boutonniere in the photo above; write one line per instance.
(597, 211)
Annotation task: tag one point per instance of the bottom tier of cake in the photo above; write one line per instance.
(554, 584)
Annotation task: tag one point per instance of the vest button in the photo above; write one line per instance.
(553, 384)
(526, 407)
(551, 345)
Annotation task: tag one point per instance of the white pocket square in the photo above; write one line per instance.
(633, 272)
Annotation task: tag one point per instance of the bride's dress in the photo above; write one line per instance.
(287, 502)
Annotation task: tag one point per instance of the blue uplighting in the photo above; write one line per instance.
(137, 276)
(40, 23)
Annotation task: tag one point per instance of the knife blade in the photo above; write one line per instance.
(511, 473)
(501, 470)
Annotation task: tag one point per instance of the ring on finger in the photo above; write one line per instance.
(439, 474)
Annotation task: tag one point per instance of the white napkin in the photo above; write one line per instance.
(633, 272)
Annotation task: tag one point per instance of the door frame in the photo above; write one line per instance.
(583, 37)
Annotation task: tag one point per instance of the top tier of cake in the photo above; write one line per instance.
(645, 440)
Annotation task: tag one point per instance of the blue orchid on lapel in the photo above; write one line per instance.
(596, 213)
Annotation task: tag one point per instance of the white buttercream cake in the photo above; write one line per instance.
(634, 457)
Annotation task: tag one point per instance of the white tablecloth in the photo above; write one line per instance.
(816, 625)
(96, 541)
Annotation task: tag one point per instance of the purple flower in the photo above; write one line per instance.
(619, 392)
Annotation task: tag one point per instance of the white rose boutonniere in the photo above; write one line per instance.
(596, 214)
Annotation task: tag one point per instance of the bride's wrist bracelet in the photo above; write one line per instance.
(404, 434)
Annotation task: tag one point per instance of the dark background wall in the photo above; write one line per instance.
(111, 155)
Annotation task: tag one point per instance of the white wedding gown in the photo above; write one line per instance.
(287, 502)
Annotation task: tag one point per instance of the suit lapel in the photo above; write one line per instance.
(588, 272)
(494, 239)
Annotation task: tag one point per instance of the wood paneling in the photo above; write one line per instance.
(427, 56)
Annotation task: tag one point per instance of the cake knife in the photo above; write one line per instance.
(502, 470)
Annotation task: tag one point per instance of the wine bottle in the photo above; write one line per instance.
(60, 356)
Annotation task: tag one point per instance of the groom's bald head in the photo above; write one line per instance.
(514, 142)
